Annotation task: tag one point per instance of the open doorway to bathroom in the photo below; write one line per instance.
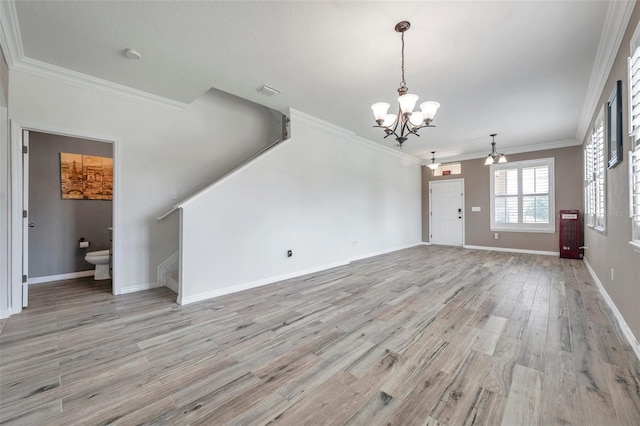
(55, 224)
(70, 207)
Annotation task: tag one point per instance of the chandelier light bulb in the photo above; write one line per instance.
(389, 119)
(380, 111)
(489, 160)
(407, 103)
(416, 119)
(429, 109)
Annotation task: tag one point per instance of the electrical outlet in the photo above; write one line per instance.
(495, 235)
(289, 253)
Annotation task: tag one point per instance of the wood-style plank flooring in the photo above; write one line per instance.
(423, 336)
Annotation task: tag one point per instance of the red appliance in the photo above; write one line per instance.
(570, 234)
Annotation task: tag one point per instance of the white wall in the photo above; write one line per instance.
(316, 194)
(161, 152)
(609, 255)
(5, 294)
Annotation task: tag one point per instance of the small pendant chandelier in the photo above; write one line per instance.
(433, 165)
(494, 155)
(407, 121)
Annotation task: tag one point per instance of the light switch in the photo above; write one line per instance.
(475, 209)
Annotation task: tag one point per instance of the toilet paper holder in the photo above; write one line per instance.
(82, 243)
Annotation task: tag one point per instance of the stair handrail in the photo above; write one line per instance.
(242, 164)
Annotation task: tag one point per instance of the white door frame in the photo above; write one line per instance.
(17, 197)
(461, 180)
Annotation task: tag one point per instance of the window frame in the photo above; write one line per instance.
(595, 177)
(634, 133)
(520, 226)
(634, 197)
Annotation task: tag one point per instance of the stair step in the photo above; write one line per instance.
(172, 279)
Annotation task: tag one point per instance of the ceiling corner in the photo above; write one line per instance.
(616, 21)
(10, 39)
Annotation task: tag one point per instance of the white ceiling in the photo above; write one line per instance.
(517, 68)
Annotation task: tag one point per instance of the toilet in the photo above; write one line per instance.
(99, 258)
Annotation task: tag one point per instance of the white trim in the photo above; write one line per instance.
(271, 280)
(628, 334)
(85, 81)
(513, 250)
(332, 129)
(10, 33)
(169, 264)
(60, 277)
(381, 252)
(11, 42)
(254, 284)
(139, 287)
(616, 21)
(509, 151)
(425, 243)
(636, 246)
(16, 128)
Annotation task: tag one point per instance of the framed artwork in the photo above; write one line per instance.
(86, 177)
(614, 126)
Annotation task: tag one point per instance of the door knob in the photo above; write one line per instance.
(31, 225)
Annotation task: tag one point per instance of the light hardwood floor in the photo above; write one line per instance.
(424, 336)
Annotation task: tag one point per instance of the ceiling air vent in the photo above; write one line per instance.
(267, 90)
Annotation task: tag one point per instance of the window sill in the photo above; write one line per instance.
(635, 245)
(538, 230)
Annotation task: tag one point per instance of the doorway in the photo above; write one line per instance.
(446, 212)
(22, 220)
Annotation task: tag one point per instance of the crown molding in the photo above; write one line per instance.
(11, 43)
(84, 81)
(511, 151)
(616, 21)
(10, 33)
(348, 135)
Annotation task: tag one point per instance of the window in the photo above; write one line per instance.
(594, 177)
(522, 196)
(448, 169)
(634, 172)
(634, 93)
(634, 132)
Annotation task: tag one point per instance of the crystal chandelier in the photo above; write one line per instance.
(407, 121)
(494, 155)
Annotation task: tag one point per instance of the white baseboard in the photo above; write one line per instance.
(69, 276)
(271, 280)
(378, 253)
(513, 250)
(628, 334)
(5, 313)
(425, 243)
(139, 287)
(254, 284)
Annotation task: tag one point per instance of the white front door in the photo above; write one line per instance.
(446, 224)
